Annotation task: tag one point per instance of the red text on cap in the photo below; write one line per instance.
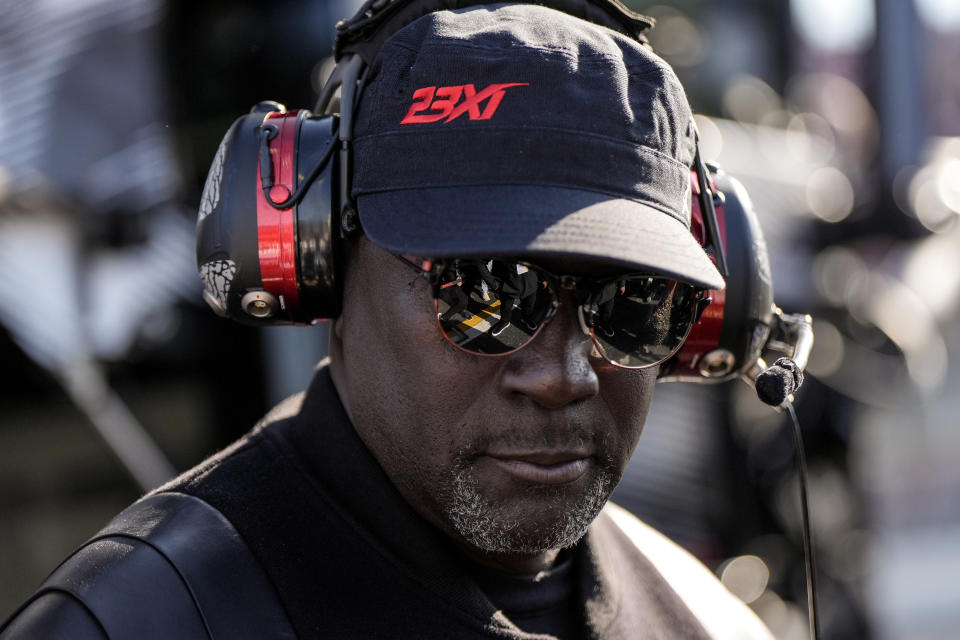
(432, 104)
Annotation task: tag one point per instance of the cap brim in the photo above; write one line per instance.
(524, 220)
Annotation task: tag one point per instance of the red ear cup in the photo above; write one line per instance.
(276, 232)
(264, 257)
(734, 328)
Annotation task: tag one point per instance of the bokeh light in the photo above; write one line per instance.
(898, 311)
(842, 103)
(932, 271)
(830, 194)
(942, 15)
(931, 192)
(844, 110)
(925, 199)
(948, 184)
(892, 307)
(747, 98)
(677, 37)
(840, 275)
(745, 576)
(837, 26)
(786, 620)
(711, 139)
(828, 349)
(810, 138)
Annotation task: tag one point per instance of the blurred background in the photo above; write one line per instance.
(841, 118)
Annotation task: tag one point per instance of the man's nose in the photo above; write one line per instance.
(556, 368)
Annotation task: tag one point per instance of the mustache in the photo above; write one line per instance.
(547, 436)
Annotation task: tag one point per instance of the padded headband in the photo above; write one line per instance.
(377, 20)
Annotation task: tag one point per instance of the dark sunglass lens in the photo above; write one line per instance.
(491, 306)
(640, 321)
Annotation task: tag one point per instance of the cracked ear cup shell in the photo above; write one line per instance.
(260, 264)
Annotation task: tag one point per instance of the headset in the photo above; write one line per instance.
(276, 209)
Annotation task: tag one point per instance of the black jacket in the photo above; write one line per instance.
(315, 542)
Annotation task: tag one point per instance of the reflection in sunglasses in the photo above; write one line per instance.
(482, 327)
(496, 306)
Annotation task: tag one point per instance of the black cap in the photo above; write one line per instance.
(519, 130)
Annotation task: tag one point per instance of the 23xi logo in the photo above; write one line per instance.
(432, 104)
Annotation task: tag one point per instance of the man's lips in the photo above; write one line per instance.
(543, 467)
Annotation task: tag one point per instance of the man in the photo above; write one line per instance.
(433, 483)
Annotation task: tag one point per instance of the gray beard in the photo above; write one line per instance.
(484, 524)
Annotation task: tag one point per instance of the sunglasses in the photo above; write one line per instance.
(495, 306)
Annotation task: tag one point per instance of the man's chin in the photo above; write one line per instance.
(532, 523)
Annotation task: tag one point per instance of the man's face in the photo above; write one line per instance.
(511, 455)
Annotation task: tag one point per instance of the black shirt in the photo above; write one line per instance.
(546, 602)
(349, 558)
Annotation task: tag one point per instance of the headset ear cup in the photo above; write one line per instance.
(227, 251)
(748, 312)
(317, 218)
(261, 264)
(733, 330)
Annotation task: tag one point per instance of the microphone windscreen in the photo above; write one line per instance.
(776, 383)
(772, 385)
